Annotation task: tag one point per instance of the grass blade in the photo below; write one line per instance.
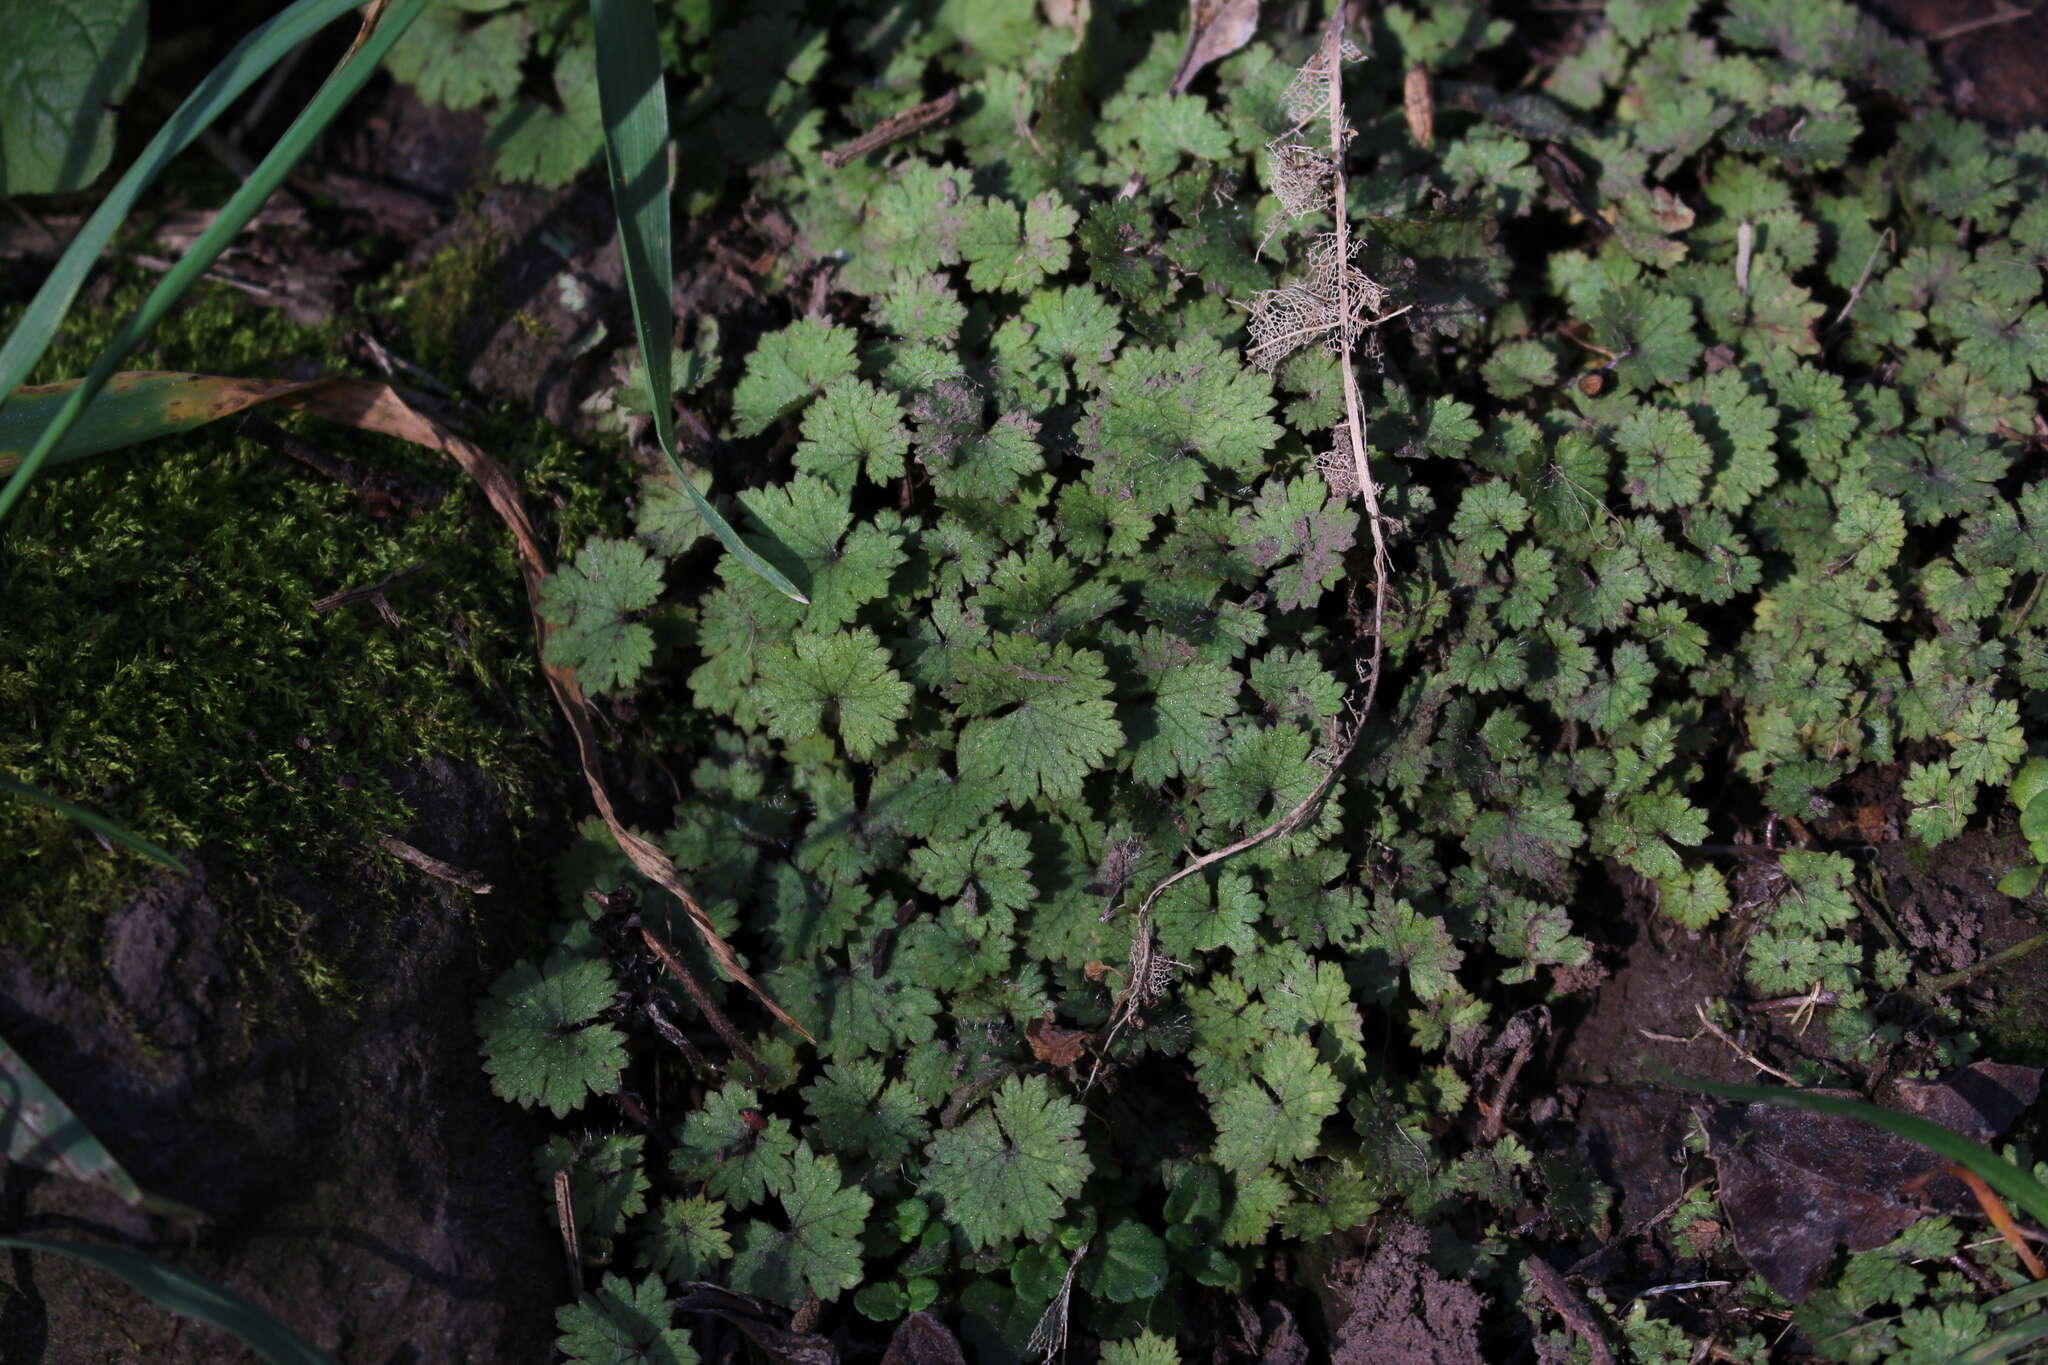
(2018, 1298)
(635, 108)
(135, 406)
(39, 1130)
(2018, 1186)
(189, 1296)
(237, 71)
(98, 824)
(328, 101)
(2007, 1345)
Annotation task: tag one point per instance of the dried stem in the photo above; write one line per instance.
(1330, 305)
(1354, 421)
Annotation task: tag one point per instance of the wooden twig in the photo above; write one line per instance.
(565, 1224)
(1869, 264)
(434, 867)
(1524, 1046)
(1139, 984)
(2004, 14)
(373, 593)
(892, 129)
(676, 1039)
(1998, 959)
(1570, 1307)
(705, 1004)
(1738, 1049)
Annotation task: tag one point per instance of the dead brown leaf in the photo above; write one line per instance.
(1796, 1184)
(1216, 28)
(1054, 1045)
(1418, 102)
(921, 1339)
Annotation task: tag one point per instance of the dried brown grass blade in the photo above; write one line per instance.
(378, 407)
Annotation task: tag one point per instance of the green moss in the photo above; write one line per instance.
(436, 305)
(2016, 1028)
(163, 661)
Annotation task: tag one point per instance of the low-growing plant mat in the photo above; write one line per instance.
(1236, 826)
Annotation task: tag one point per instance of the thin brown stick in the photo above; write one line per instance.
(1856, 292)
(1140, 984)
(705, 1004)
(1738, 1049)
(892, 129)
(434, 867)
(676, 1039)
(1354, 421)
(1998, 959)
(1497, 1115)
(2005, 14)
(565, 1224)
(1573, 1309)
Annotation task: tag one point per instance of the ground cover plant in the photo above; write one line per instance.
(1310, 543)
(1718, 497)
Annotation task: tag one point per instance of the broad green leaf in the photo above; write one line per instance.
(588, 604)
(64, 70)
(1278, 1116)
(1011, 1168)
(846, 677)
(623, 1324)
(540, 1043)
(818, 1251)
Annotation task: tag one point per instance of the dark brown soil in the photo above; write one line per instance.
(358, 1177)
(1996, 70)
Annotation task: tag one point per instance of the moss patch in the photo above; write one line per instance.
(163, 660)
(437, 304)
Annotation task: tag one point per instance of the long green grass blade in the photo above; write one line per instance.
(2018, 1186)
(98, 824)
(635, 109)
(328, 101)
(135, 406)
(189, 1296)
(39, 1130)
(2007, 1345)
(239, 70)
(2018, 1298)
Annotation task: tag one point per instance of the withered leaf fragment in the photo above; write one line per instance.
(1797, 1184)
(1216, 28)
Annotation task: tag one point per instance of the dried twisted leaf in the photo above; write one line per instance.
(1299, 175)
(1328, 305)
(1216, 28)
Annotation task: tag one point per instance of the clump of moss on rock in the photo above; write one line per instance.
(163, 659)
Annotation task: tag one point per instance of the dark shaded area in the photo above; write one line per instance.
(359, 1178)
(1993, 56)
